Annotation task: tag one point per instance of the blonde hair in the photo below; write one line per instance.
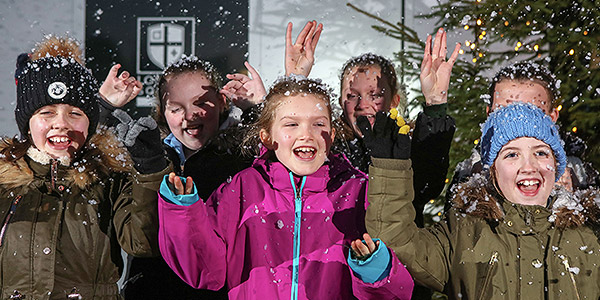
(283, 88)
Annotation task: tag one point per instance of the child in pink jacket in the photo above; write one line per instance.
(281, 228)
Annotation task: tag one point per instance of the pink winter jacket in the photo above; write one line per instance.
(243, 236)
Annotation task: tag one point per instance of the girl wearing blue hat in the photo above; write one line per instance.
(511, 233)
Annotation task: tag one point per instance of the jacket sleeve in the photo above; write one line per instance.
(390, 215)
(135, 213)
(431, 142)
(190, 244)
(397, 285)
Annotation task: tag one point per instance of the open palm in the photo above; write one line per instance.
(435, 70)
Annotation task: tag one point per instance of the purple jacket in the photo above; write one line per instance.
(243, 236)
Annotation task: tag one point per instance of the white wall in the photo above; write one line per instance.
(22, 24)
(346, 33)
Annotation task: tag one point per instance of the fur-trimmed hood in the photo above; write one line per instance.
(477, 197)
(102, 155)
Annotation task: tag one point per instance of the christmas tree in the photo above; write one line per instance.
(562, 35)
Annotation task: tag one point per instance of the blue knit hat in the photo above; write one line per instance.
(519, 120)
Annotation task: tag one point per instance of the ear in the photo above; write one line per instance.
(332, 134)
(395, 101)
(554, 114)
(265, 139)
(222, 100)
(487, 110)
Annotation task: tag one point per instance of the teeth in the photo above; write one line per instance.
(529, 182)
(305, 149)
(61, 139)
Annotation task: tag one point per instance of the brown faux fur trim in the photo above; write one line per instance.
(472, 198)
(569, 210)
(103, 154)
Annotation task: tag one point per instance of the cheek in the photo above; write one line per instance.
(173, 120)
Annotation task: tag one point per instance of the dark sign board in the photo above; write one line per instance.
(145, 36)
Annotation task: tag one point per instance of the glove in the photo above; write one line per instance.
(389, 136)
(142, 139)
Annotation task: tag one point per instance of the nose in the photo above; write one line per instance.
(363, 103)
(306, 132)
(529, 165)
(192, 113)
(61, 121)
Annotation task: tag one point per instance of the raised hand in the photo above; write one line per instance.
(177, 185)
(119, 90)
(244, 91)
(388, 138)
(362, 250)
(300, 56)
(435, 70)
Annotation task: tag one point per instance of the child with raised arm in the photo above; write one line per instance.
(511, 232)
(69, 197)
(281, 228)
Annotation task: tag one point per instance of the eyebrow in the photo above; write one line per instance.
(302, 117)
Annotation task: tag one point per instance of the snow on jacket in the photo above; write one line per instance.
(487, 247)
(63, 226)
(243, 236)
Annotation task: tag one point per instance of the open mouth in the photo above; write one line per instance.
(529, 187)
(59, 142)
(193, 129)
(305, 152)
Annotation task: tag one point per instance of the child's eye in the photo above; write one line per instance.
(175, 110)
(320, 124)
(290, 124)
(351, 96)
(542, 153)
(45, 112)
(76, 113)
(510, 155)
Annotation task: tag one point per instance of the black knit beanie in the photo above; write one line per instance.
(56, 80)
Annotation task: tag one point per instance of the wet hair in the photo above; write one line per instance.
(187, 64)
(367, 60)
(285, 87)
(527, 70)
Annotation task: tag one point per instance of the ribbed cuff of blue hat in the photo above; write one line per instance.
(374, 268)
(168, 195)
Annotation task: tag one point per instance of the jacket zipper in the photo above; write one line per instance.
(53, 173)
(11, 212)
(297, 220)
(568, 267)
(488, 275)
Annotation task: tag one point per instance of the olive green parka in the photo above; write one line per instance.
(63, 226)
(486, 247)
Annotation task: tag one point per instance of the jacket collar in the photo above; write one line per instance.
(278, 174)
(478, 198)
(103, 155)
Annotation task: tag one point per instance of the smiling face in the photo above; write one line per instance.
(525, 170)
(192, 109)
(364, 93)
(300, 134)
(59, 129)
(528, 91)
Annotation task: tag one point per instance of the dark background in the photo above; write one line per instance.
(221, 35)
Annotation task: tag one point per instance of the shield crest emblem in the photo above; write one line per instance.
(166, 43)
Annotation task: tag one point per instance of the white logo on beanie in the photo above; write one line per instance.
(57, 90)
